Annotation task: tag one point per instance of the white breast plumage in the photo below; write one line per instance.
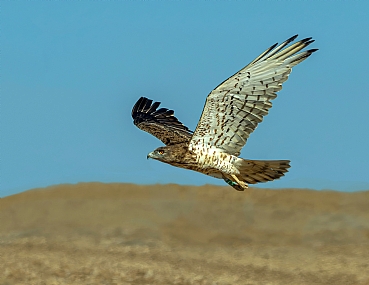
(214, 158)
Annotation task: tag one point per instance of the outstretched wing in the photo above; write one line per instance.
(160, 123)
(235, 107)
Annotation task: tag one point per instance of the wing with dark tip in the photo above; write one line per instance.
(234, 108)
(161, 123)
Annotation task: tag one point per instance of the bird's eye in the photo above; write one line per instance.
(161, 152)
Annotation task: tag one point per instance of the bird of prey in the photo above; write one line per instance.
(231, 113)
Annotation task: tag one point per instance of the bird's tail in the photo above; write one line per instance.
(255, 171)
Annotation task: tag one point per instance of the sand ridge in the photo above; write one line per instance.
(96, 233)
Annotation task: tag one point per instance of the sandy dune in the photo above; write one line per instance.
(94, 233)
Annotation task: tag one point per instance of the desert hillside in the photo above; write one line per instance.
(95, 233)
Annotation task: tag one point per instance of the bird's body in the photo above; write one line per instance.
(210, 161)
(231, 113)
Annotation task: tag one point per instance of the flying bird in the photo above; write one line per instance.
(231, 113)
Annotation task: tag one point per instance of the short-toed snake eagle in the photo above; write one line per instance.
(231, 113)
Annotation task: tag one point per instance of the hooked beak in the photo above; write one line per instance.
(150, 155)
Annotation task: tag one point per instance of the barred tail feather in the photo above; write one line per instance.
(255, 171)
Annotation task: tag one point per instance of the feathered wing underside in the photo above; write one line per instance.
(161, 123)
(235, 107)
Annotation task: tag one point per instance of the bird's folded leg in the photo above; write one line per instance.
(242, 184)
(233, 181)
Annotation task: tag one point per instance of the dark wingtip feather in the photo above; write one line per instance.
(312, 50)
(146, 106)
(154, 107)
(143, 105)
(291, 39)
(306, 39)
(136, 106)
(308, 42)
(309, 52)
(273, 46)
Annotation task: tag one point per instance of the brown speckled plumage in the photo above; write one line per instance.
(231, 113)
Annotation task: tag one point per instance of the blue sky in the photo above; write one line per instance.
(71, 72)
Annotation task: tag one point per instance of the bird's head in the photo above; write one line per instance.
(164, 154)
